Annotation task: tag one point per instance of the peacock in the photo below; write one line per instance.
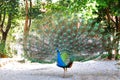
(80, 39)
(63, 60)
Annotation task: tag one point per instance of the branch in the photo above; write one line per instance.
(3, 19)
(111, 18)
(1, 3)
(1, 30)
(9, 22)
(26, 27)
(30, 14)
(0, 17)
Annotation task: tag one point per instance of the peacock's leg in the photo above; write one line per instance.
(64, 73)
(65, 70)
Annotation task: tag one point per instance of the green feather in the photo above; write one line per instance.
(65, 57)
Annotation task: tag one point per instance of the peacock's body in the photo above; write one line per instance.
(63, 60)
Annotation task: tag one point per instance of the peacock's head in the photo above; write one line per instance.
(57, 50)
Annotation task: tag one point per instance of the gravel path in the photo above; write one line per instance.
(91, 70)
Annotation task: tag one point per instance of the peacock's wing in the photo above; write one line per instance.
(65, 57)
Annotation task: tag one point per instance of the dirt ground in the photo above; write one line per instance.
(90, 70)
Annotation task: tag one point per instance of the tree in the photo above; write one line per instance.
(8, 11)
(27, 20)
(108, 12)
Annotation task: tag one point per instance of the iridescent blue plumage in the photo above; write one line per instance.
(60, 62)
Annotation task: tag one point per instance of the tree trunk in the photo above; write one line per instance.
(108, 21)
(26, 27)
(27, 23)
(4, 33)
(117, 51)
(30, 14)
(116, 22)
(117, 25)
(4, 36)
(0, 18)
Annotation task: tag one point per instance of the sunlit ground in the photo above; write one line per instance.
(90, 70)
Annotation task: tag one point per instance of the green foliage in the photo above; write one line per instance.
(112, 4)
(8, 13)
(118, 56)
(83, 8)
(2, 51)
(11, 7)
(35, 12)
